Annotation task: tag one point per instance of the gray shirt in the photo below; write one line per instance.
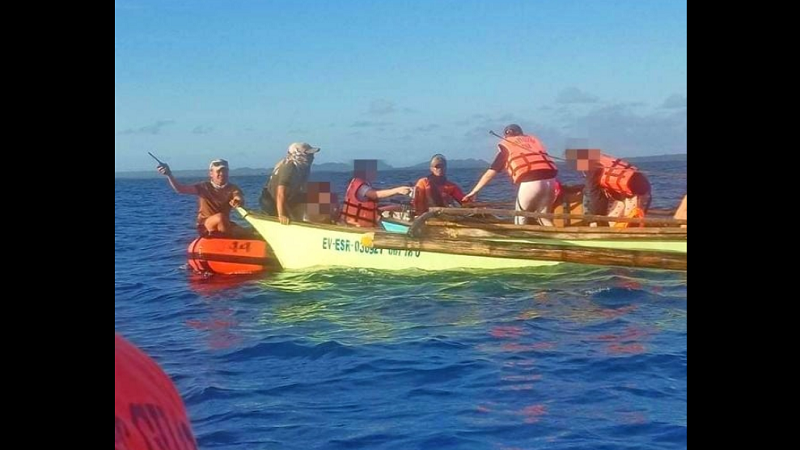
(293, 179)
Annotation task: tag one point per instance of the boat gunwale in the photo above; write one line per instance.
(676, 234)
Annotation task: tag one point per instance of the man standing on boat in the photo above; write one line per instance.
(436, 189)
(216, 198)
(526, 160)
(361, 208)
(284, 194)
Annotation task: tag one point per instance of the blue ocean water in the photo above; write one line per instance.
(567, 357)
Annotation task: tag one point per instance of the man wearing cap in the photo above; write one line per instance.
(215, 199)
(436, 189)
(526, 161)
(284, 194)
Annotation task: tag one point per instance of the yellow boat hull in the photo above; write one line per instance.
(304, 246)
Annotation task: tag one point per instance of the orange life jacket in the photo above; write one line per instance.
(617, 175)
(526, 154)
(427, 195)
(357, 213)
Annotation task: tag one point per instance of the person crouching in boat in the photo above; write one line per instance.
(526, 160)
(284, 194)
(361, 208)
(614, 187)
(216, 198)
(436, 189)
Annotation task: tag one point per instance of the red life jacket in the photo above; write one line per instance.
(357, 213)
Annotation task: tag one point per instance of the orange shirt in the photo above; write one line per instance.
(424, 197)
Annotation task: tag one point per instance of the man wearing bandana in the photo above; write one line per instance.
(284, 194)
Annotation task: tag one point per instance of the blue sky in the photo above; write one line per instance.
(394, 80)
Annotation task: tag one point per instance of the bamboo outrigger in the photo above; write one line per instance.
(449, 239)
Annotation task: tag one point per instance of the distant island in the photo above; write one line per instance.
(660, 158)
(455, 164)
